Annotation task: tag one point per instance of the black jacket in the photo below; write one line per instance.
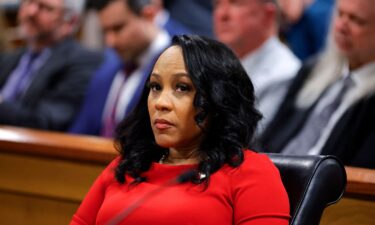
(352, 139)
(55, 93)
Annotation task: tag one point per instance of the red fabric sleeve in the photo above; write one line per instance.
(88, 210)
(258, 193)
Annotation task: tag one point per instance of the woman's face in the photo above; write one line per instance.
(170, 103)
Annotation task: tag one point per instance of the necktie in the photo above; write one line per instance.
(316, 123)
(110, 121)
(20, 78)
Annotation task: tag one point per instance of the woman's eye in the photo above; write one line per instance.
(182, 87)
(154, 86)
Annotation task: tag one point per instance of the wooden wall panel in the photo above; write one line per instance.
(47, 177)
(42, 191)
(350, 211)
(18, 209)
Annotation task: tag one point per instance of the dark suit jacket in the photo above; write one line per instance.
(173, 27)
(90, 118)
(194, 14)
(352, 139)
(55, 93)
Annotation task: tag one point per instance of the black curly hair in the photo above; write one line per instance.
(224, 94)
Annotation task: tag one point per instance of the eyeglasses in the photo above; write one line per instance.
(44, 6)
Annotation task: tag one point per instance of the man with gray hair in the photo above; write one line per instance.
(330, 106)
(249, 28)
(42, 85)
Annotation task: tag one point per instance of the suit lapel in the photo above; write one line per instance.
(52, 66)
(7, 65)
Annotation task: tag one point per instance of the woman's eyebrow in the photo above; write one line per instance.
(155, 74)
(181, 74)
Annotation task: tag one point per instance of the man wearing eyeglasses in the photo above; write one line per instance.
(42, 85)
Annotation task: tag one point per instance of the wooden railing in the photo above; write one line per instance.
(44, 176)
(57, 145)
(361, 182)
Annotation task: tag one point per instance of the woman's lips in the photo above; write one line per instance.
(162, 124)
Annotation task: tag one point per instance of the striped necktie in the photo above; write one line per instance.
(315, 124)
(18, 80)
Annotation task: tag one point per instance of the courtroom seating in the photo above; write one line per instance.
(45, 175)
(312, 183)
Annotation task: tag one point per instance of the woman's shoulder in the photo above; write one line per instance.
(259, 179)
(108, 174)
(256, 188)
(114, 163)
(255, 162)
(256, 167)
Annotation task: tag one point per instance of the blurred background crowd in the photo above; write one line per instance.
(79, 66)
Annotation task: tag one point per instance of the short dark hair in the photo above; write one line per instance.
(100, 4)
(224, 97)
(135, 6)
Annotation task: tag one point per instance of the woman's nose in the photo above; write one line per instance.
(163, 102)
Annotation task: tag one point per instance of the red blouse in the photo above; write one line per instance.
(251, 194)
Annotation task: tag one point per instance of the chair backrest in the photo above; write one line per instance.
(312, 183)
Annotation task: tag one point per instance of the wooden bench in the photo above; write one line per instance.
(358, 205)
(45, 175)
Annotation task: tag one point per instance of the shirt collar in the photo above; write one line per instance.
(161, 18)
(253, 57)
(363, 74)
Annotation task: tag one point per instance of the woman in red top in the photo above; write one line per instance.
(184, 150)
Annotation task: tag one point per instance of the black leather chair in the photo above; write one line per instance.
(312, 183)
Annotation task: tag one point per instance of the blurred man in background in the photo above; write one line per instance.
(42, 85)
(249, 27)
(129, 30)
(153, 9)
(330, 106)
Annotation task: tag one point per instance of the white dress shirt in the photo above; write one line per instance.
(271, 67)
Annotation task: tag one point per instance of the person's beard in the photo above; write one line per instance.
(39, 34)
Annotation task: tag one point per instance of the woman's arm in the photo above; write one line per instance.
(258, 193)
(89, 208)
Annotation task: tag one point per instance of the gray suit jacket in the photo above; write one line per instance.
(55, 93)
